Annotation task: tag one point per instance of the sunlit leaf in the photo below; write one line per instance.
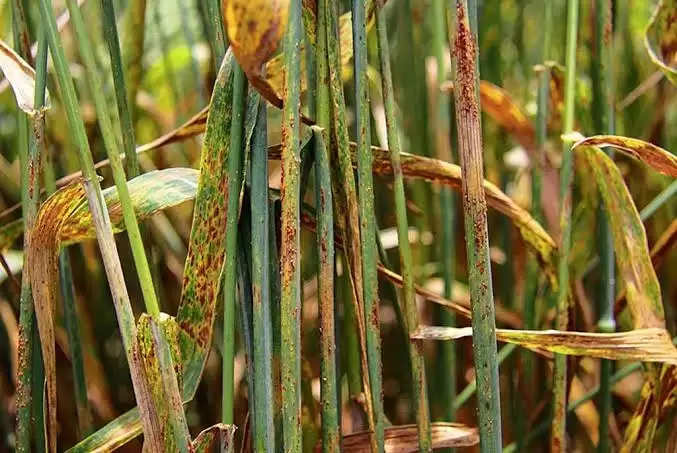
(648, 345)
(21, 77)
(654, 156)
(661, 38)
(404, 438)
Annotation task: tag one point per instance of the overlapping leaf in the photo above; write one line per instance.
(42, 265)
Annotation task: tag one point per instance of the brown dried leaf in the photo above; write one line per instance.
(661, 160)
(21, 77)
(647, 345)
(404, 438)
(42, 267)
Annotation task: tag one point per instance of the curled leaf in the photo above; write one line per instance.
(661, 38)
(661, 160)
(404, 438)
(648, 345)
(21, 77)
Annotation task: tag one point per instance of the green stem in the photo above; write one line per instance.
(345, 197)
(603, 116)
(558, 438)
(470, 389)
(406, 262)
(331, 435)
(290, 263)
(235, 164)
(110, 142)
(366, 215)
(29, 152)
(110, 33)
(468, 123)
(263, 436)
(331, 409)
(442, 121)
(215, 31)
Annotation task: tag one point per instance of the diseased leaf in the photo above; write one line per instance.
(661, 38)
(630, 245)
(150, 192)
(157, 350)
(202, 272)
(21, 77)
(218, 436)
(657, 398)
(255, 29)
(654, 156)
(647, 345)
(658, 252)
(404, 438)
(42, 266)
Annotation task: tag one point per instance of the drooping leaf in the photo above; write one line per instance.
(21, 77)
(404, 438)
(42, 265)
(661, 38)
(661, 160)
(648, 345)
(255, 29)
(630, 245)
